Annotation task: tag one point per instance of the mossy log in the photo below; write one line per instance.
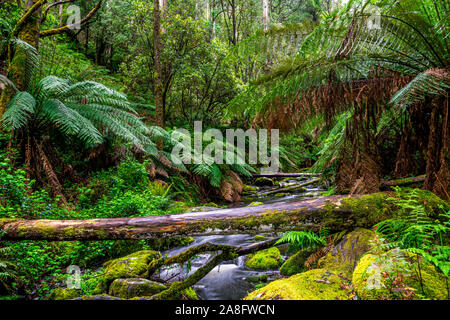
(279, 217)
(402, 182)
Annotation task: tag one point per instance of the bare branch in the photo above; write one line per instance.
(56, 31)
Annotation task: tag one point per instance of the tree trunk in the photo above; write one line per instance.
(17, 65)
(302, 215)
(159, 108)
(266, 14)
(434, 147)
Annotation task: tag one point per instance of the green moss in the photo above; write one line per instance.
(99, 297)
(64, 294)
(190, 294)
(318, 284)
(131, 288)
(346, 254)
(371, 283)
(264, 260)
(247, 190)
(255, 204)
(282, 194)
(261, 278)
(296, 263)
(260, 238)
(131, 266)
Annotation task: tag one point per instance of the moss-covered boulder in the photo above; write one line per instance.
(265, 259)
(346, 254)
(188, 294)
(100, 297)
(130, 288)
(255, 204)
(131, 266)
(65, 294)
(248, 190)
(282, 194)
(296, 263)
(317, 284)
(396, 275)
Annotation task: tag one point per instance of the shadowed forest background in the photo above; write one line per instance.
(91, 92)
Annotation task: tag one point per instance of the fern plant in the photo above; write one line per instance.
(53, 111)
(6, 267)
(416, 231)
(303, 239)
(345, 64)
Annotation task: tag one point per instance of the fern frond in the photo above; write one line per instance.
(19, 110)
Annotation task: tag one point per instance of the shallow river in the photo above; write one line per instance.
(229, 281)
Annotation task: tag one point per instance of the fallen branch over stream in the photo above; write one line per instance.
(226, 253)
(286, 175)
(290, 188)
(279, 217)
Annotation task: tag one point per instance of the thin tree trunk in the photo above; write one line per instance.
(159, 107)
(266, 14)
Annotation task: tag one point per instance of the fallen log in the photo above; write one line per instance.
(386, 184)
(226, 253)
(290, 188)
(279, 217)
(286, 175)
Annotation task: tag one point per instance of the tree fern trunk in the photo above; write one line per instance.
(17, 65)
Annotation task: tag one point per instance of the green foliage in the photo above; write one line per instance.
(303, 239)
(418, 230)
(18, 200)
(7, 272)
(9, 15)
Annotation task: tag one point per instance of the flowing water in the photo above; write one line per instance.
(230, 280)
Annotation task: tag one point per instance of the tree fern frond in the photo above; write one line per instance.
(19, 111)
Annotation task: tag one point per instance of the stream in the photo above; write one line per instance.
(230, 280)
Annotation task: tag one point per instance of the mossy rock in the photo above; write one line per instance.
(100, 297)
(255, 204)
(131, 266)
(188, 293)
(256, 279)
(296, 263)
(282, 195)
(263, 181)
(346, 254)
(65, 294)
(264, 260)
(131, 288)
(260, 238)
(317, 284)
(248, 190)
(374, 273)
